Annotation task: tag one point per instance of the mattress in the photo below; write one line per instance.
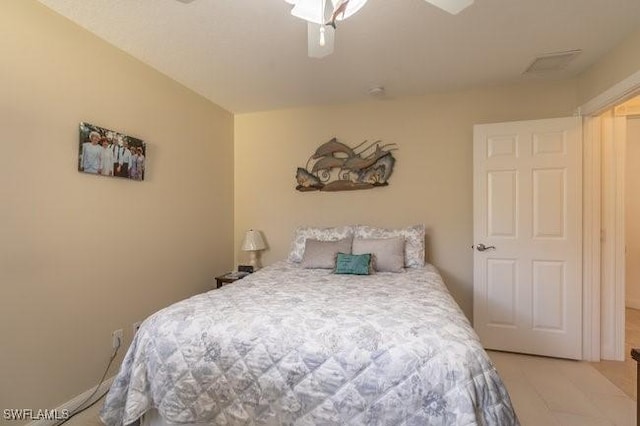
(292, 346)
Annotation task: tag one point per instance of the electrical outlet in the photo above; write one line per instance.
(117, 339)
(136, 327)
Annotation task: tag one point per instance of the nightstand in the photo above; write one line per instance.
(228, 278)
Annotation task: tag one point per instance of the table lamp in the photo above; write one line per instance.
(253, 243)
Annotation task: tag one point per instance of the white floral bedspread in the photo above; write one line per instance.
(289, 346)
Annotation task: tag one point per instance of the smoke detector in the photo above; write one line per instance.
(551, 62)
(376, 92)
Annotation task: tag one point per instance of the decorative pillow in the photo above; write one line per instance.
(387, 252)
(353, 264)
(413, 237)
(322, 254)
(322, 234)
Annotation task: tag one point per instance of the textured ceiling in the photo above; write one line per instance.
(248, 55)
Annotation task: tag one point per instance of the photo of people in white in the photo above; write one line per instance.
(108, 153)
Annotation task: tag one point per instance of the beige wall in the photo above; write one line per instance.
(82, 255)
(618, 64)
(633, 213)
(431, 184)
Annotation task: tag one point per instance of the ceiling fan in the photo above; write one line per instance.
(322, 15)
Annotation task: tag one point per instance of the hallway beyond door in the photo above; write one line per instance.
(623, 373)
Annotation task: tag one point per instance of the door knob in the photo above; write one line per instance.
(482, 247)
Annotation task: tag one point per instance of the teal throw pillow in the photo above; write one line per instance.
(354, 264)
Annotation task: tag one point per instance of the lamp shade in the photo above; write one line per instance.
(253, 241)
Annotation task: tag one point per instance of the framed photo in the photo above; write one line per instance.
(109, 153)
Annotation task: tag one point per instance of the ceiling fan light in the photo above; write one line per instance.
(311, 10)
(315, 48)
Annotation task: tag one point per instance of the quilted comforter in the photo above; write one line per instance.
(291, 346)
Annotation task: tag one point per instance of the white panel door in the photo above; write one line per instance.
(527, 236)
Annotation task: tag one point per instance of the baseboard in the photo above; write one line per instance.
(632, 303)
(73, 404)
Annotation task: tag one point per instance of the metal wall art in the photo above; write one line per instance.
(336, 167)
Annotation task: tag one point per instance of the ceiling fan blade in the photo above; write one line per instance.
(452, 6)
(315, 48)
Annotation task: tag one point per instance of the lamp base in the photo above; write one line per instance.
(254, 260)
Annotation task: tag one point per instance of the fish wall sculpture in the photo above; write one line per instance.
(336, 167)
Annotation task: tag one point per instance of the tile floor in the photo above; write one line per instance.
(544, 392)
(555, 392)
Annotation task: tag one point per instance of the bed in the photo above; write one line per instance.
(289, 345)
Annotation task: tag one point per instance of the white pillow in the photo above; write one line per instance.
(322, 234)
(388, 253)
(322, 254)
(413, 237)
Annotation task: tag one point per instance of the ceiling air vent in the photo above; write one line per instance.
(551, 62)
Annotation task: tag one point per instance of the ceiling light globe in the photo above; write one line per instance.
(311, 10)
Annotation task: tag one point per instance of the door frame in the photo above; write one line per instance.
(591, 238)
(603, 329)
(613, 244)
